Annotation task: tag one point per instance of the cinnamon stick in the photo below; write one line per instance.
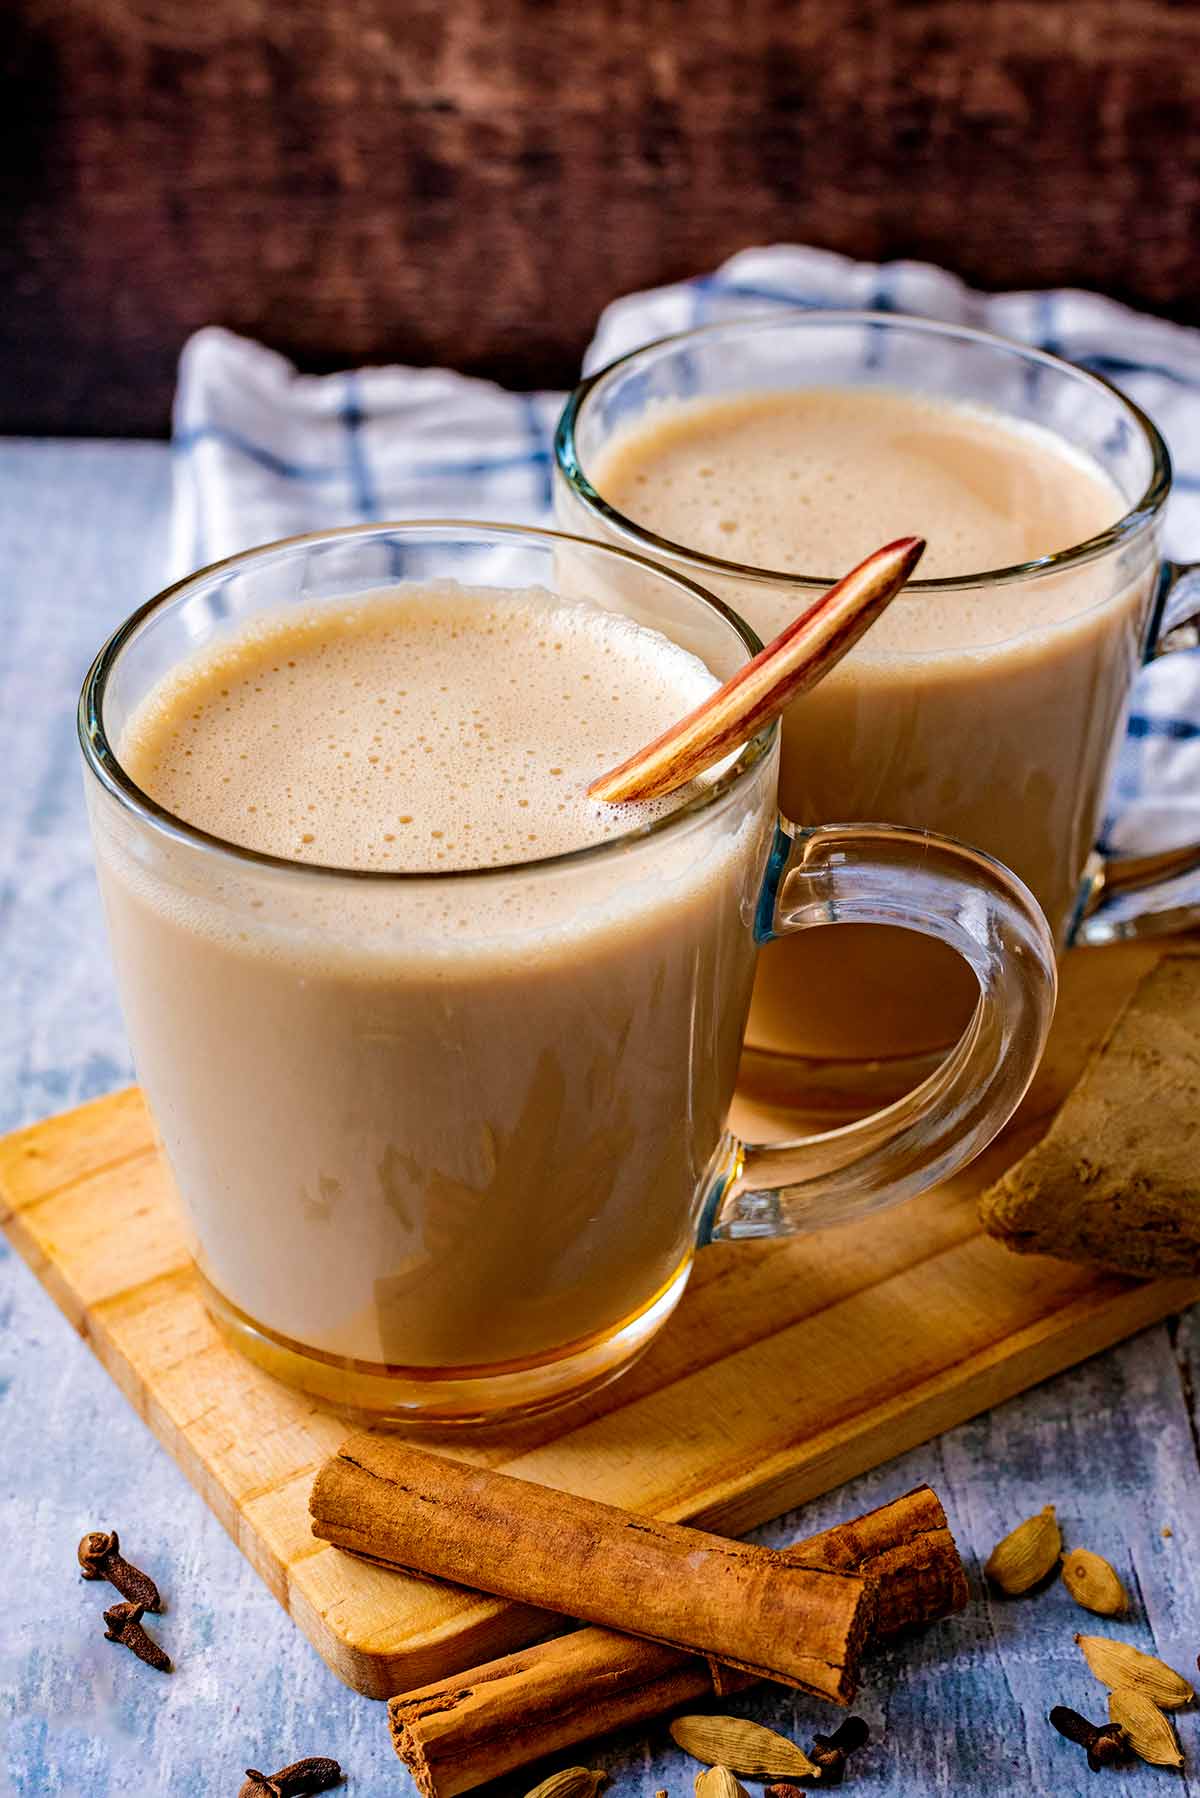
(796, 660)
(460, 1732)
(775, 1616)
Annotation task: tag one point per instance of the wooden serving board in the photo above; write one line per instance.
(787, 1369)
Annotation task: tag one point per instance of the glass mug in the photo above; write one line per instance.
(446, 1144)
(1009, 746)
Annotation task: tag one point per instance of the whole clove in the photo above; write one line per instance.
(832, 1752)
(316, 1774)
(124, 1625)
(1106, 1743)
(100, 1557)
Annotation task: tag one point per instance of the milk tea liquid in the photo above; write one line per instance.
(428, 1123)
(989, 714)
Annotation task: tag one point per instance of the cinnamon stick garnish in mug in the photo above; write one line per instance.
(463, 1731)
(771, 1615)
(797, 659)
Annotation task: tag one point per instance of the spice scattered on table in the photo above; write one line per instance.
(123, 1624)
(718, 1782)
(100, 1557)
(1140, 1685)
(1023, 1558)
(1094, 1583)
(1151, 1735)
(1105, 1742)
(571, 1782)
(832, 1752)
(316, 1774)
(734, 1745)
(743, 1747)
(1120, 1664)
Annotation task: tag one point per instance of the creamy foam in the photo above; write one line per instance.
(811, 481)
(428, 729)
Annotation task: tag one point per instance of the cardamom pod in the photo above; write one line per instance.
(1094, 1583)
(743, 1747)
(1120, 1664)
(718, 1782)
(1151, 1735)
(571, 1782)
(1026, 1554)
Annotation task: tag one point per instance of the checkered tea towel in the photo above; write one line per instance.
(263, 452)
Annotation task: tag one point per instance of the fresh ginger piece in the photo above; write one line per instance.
(1115, 1182)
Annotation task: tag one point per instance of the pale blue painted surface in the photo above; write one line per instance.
(960, 1710)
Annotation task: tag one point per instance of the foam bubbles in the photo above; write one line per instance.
(810, 481)
(423, 729)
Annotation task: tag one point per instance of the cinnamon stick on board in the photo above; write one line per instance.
(768, 1614)
(460, 1732)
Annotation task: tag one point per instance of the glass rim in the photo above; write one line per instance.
(1133, 520)
(101, 759)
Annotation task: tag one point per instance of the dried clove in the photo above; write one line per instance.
(316, 1774)
(124, 1625)
(100, 1557)
(832, 1752)
(1105, 1742)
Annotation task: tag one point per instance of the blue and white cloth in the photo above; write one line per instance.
(263, 452)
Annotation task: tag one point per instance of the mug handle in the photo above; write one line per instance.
(1176, 625)
(881, 874)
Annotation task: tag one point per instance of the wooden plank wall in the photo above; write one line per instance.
(468, 181)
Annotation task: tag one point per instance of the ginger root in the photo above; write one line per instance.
(1115, 1182)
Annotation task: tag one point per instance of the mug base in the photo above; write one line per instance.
(825, 1091)
(378, 1394)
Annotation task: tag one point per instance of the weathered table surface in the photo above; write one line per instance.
(1114, 1444)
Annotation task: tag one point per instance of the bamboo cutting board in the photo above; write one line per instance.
(787, 1369)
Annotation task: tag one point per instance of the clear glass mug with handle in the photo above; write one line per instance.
(445, 1145)
(1001, 728)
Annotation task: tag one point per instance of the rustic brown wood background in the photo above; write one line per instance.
(468, 181)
